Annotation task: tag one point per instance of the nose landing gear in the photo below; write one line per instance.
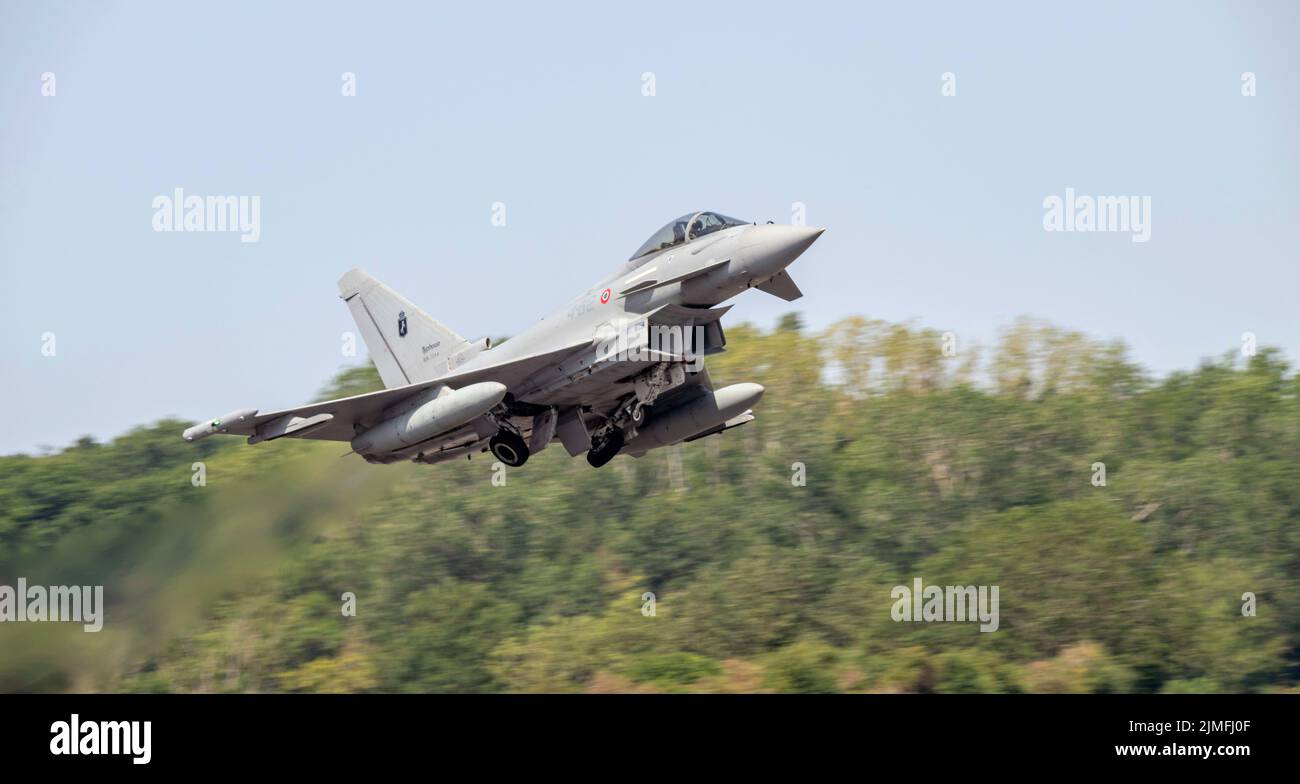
(604, 447)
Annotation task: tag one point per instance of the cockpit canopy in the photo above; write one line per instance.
(677, 231)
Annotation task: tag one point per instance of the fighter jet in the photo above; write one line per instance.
(617, 369)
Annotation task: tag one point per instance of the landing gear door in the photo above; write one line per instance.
(573, 432)
(715, 340)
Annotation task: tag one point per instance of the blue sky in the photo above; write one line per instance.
(933, 204)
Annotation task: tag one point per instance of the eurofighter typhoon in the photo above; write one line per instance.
(619, 368)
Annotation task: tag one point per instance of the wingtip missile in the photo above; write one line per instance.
(221, 424)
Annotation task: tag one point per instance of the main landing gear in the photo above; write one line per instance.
(510, 448)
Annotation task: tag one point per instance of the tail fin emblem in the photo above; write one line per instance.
(401, 324)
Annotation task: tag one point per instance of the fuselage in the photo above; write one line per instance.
(698, 272)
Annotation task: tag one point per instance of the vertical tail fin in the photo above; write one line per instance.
(407, 345)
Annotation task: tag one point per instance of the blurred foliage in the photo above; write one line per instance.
(973, 469)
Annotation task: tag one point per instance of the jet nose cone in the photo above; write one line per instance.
(771, 248)
(807, 236)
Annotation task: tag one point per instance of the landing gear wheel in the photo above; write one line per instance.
(604, 449)
(637, 417)
(509, 448)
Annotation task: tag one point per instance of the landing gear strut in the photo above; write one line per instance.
(603, 448)
(510, 448)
